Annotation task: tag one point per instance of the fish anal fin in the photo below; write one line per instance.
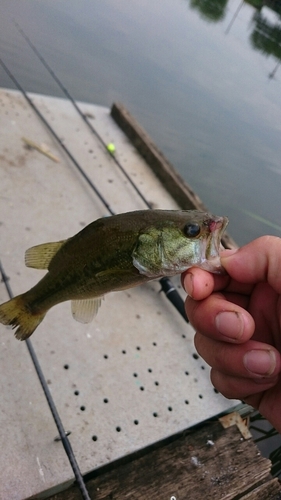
(40, 256)
(85, 310)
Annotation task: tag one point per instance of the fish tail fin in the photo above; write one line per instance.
(16, 313)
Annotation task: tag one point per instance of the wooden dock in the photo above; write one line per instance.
(129, 387)
(211, 462)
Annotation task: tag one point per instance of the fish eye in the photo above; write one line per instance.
(192, 229)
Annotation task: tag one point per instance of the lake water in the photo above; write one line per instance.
(201, 76)
(195, 75)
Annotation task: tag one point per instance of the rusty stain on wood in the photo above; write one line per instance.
(171, 180)
(210, 462)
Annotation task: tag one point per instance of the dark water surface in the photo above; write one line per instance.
(201, 77)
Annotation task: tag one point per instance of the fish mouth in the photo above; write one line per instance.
(212, 245)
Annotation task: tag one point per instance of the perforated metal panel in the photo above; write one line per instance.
(130, 378)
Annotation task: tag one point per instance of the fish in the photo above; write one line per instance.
(111, 254)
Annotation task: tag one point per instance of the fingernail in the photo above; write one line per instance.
(260, 362)
(230, 324)
(188, 282)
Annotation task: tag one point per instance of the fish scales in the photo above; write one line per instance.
(114, 253)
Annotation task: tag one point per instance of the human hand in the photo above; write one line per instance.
(237, 318)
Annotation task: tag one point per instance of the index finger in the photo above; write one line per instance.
(199, 284)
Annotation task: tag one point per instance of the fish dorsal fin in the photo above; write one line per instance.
(85, 310)
(40, 256)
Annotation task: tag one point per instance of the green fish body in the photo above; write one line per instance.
(110, 254)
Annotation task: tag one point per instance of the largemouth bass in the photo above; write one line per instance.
(110, 254)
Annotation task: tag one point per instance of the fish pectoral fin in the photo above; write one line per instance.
(40, 256)
(85, 310)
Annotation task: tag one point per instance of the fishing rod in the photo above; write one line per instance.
(62, 433)
(166, 285)
(54, 134)
(82, 115)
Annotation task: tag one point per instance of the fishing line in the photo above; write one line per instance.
(166, 285)
(63, 435)
(54, 134)
(82, 115)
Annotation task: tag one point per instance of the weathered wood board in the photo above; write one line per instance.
(209, 463)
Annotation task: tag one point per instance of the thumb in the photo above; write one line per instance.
(257, 261)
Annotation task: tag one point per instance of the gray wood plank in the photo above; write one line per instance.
(210, 462)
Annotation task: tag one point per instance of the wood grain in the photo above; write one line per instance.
(211, 462)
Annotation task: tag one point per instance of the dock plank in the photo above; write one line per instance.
(209, 461)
